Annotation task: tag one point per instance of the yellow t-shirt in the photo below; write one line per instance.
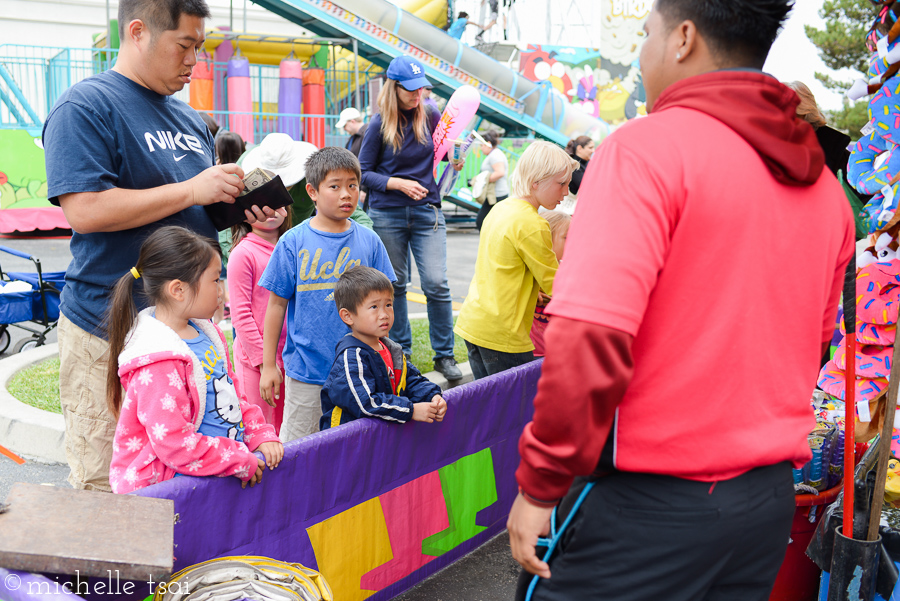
(515, 260)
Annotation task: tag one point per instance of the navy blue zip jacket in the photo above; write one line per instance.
(359, 386)
(414, 161)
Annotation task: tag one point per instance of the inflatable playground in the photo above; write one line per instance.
(257, 83)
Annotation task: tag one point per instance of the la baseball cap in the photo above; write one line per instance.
(408, 72)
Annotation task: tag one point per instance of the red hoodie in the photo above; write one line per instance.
(762, 111)
(702, 273)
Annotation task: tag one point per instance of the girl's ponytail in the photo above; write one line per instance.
(120, 318)
(170, 253)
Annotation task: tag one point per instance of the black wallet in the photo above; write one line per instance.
(271, 194)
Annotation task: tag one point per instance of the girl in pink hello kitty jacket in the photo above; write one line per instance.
(179, 413)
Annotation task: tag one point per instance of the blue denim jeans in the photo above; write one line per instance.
(423, 231)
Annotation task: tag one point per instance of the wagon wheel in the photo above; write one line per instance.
(4, 338)
(26, 344)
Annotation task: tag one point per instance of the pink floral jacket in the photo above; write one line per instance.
(165, 398)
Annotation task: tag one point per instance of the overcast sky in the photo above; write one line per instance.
(794, 57)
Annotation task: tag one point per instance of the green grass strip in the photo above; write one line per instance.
(423, 354)
(38, 385)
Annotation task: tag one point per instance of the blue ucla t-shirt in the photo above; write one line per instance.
(304, 268)
(110, 132)
(223, 410)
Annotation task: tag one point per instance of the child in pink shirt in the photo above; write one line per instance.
(559, 229)
(252, 248)
(172, 395)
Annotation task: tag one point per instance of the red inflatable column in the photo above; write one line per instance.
(314, 104)
(201, 89)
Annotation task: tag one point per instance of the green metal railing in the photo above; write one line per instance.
(32, 78)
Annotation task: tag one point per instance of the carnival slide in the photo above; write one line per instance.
(384, 31)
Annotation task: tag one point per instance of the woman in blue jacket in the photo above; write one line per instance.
(397, 158)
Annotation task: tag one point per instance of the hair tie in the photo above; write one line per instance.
(135, 273)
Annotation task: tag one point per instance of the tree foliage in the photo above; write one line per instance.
(842, 45)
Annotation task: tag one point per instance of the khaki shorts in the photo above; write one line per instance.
(302, 410)
(82, 393)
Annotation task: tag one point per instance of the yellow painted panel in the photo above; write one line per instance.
(342, 560)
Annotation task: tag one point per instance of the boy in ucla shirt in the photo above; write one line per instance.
(300, 277)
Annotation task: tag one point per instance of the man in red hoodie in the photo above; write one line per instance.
(701, 281)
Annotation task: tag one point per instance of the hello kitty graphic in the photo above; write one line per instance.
(228, 407)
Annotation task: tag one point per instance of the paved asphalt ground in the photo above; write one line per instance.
(488, 574)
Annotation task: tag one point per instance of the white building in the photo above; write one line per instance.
(73, 23)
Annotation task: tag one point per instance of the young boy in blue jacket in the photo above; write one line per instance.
(370, 377)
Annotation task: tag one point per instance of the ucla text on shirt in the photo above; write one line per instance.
(328, 269)
(209, 361)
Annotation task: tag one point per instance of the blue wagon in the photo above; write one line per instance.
(35, 310)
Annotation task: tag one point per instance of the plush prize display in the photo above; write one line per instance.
(875, 161)
(883, 248)
(877, 296)
(874, 168)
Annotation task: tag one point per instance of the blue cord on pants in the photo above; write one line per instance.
(555, 536)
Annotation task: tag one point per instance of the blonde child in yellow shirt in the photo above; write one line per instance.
(515, 261)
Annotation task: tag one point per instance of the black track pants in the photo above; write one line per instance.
(641, 537)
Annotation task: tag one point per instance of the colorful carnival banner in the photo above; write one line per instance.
(621, 93)
(604, 82)
(375, 507)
